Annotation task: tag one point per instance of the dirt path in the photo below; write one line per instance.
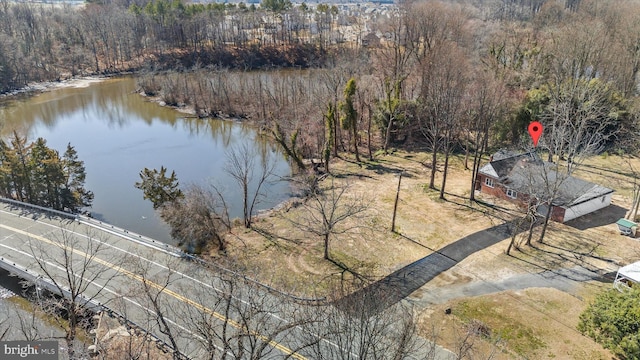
(566, 280)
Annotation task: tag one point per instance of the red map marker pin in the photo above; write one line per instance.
(535, 130)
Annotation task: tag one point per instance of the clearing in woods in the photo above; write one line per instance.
(278, 253)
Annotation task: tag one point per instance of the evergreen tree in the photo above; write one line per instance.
(46, 175)
(157, 187)
(389, 112)
(6, 175)
(36, 174)
(613, 320)
(349, 117)
(276, 5)
(19, 168)
(73, 194)
(329, 122)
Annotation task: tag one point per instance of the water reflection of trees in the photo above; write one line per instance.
(115, 102)
(112, 100)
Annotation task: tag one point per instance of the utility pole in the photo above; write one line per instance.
(395, 204)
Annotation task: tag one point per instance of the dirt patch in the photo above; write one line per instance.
(114, 340)
(35, 88)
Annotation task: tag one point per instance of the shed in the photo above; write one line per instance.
(627, 227)
(627, 276)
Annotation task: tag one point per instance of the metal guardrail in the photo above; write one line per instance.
(41, 208)
(90, 304)
(130, 235)
(158, 245)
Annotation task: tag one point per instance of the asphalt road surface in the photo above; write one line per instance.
(180, 302)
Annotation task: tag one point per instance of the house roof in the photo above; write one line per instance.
(631, 271)
(528, 174)
(502, 163)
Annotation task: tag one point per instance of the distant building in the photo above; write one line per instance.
(524, 179)
(371, 40)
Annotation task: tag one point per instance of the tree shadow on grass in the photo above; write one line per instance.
(401, 283)
(603, 169)
(576, 249)
(344, 175)
(483, 207)
(572, 274)
(272, 237)
(414, 241)
(345, 269)
(567, 256)
(383, 169)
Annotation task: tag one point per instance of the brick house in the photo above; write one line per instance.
(525, 178)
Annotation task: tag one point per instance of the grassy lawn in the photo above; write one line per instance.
(533, 323)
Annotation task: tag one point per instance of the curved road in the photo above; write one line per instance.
(128, 277)
(158, 290)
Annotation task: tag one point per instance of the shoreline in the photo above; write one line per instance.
(41, 87)
(44, 86)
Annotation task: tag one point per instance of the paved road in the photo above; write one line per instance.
(115, 272)
(136, 280)
(401, 283)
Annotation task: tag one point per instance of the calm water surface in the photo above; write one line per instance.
(117, 133)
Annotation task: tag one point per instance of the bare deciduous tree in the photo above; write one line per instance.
(353, 327)
(74, 266)
(153, 294)
(250, 177)
(487, 105)
(198, 218)
(441, 98)
(634, 173)
(242, 320)
(578, 120)
(330, 213)
(215, 313)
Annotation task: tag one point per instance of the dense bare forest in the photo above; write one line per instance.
(445, 74)
(325, 81)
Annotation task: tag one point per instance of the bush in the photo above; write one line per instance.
(613, 320)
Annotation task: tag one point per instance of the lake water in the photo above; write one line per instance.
(117, 133)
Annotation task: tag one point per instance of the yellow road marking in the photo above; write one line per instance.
(163, 289)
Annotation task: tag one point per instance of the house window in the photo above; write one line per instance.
(512, 194)
(488, 182)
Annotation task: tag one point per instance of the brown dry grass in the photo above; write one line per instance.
(281, 254)
(536, 323)
(290, 259)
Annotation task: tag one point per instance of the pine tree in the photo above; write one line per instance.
(73, 194)
(46, 175)
(349, 118)
(6, 176)
(157, 187)
(36, 174)
(330, 118)
(19, 168)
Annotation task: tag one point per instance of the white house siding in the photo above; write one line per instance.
(587, 207)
